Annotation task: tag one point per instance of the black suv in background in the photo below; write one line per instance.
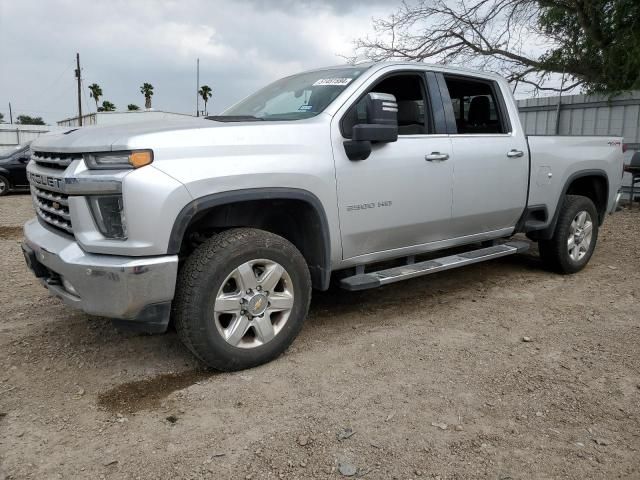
(13, 170)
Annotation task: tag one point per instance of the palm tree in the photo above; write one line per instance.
(147, 90)
(205, 92)
(132, 107)
(96, 92)
(107, 106)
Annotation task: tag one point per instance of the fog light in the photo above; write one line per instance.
(68, 287)
(108, 213)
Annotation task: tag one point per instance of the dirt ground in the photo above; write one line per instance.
(429, 378)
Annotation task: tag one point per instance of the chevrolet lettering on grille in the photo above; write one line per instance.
(45, 181)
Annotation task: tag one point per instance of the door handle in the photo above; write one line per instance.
(436, 157)
(515, 153)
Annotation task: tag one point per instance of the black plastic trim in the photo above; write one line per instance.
(450, 117)
(437, 105)
(524, 225)
(152, 318)
(275, 193)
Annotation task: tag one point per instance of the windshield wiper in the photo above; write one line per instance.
(234, 118)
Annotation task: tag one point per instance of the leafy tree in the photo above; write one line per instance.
(147, 90)
(96, 92)
(107, 106)
(1, 117)
(594, 44)
(132, 107)
(205, 92)
(28, 120)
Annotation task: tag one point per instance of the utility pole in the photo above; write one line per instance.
(10, 114)
(79, 89)
(198, 87)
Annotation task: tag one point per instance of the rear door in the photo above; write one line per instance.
(491, 156)
(399, 197)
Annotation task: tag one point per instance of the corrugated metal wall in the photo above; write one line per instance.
(584, 115)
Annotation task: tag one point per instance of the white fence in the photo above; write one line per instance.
(12, 135)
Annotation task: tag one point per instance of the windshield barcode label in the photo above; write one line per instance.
(332, 81)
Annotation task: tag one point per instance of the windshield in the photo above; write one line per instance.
(5, 156)
(293, 98)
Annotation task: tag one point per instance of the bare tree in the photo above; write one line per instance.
(510, 37)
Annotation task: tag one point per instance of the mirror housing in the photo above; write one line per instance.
(381, 126)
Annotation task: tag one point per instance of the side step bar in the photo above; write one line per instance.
(365, 281)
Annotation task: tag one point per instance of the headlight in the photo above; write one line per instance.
(118, 160)
(108, 213)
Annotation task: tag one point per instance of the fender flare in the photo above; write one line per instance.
(207, 202)
(547, 233)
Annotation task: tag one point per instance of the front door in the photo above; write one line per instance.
(399, 197)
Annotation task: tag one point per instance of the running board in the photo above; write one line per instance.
(365, 281)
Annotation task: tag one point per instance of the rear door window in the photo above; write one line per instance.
(476, 106)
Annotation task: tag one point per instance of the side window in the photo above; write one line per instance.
(475, 106)
(409, 90)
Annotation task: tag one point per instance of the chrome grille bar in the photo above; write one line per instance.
(55, 160)
(63, 225)
(53, 197)
(56, 211)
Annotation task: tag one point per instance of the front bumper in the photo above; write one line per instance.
(135, 290)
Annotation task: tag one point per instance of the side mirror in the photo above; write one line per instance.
(381, 126)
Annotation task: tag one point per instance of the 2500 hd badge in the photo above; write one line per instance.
(367, 206)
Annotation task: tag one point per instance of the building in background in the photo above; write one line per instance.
(12, 134)
(113, 118)
(586, 115)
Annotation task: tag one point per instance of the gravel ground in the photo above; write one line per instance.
(429, 378)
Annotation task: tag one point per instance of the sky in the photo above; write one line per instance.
(242, 45)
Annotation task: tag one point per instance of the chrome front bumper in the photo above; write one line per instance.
(134, 289)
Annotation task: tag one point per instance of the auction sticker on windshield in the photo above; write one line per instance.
(332, 82)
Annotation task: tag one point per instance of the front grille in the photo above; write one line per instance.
(52, 207)
(55, 160)
(47, 188)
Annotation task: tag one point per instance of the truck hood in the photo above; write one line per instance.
(169, 134)
(99, 138)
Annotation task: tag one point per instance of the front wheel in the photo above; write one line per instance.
(242, 298)
(575, 236)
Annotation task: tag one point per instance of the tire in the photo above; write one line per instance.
(208, 313)
(558, 253)
(4, 186)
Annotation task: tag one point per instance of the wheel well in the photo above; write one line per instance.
(296, 220)
(595, 188)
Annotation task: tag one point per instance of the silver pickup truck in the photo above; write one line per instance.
(358, 174)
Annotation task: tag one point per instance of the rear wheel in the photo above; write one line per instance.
(242, 298)
(575, 236)
(4, 186)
